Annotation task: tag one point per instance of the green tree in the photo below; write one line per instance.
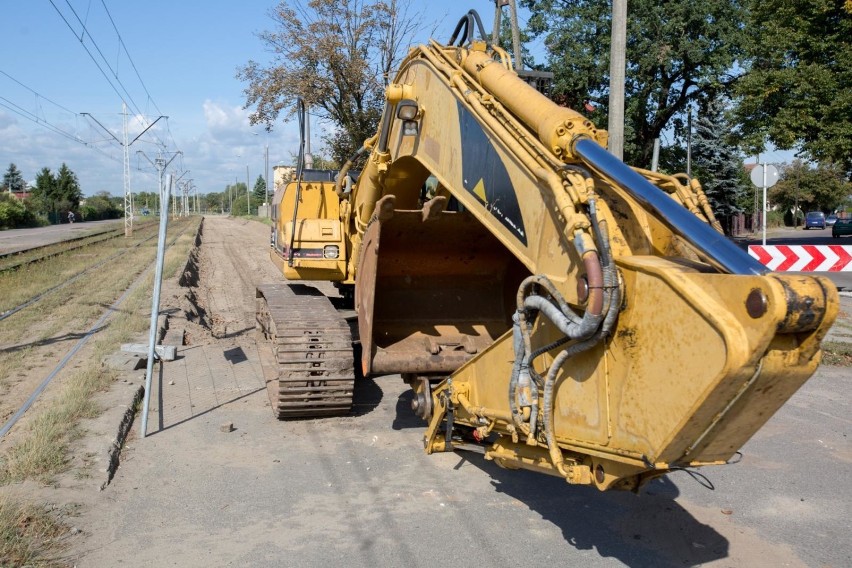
(13, 181)
(102, 205)
(677, 52)
(67, 193)
(797, 92)
(42, 195)
(814, 188)
(259, 191)
(716, 162)
(337, 56)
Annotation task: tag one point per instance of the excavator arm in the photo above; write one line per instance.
(553, 308)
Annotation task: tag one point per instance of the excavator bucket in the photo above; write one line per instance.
(432, 291)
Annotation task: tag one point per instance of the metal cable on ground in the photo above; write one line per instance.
(80, 343)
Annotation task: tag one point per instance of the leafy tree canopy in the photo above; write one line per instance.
(336, 55)
(798, 89)
(677, 52)
(814, 188)
(67, 188)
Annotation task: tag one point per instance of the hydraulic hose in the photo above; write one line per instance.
(602, 309)
(550, 379)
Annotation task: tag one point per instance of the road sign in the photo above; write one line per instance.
(804, 258)
(757, 175)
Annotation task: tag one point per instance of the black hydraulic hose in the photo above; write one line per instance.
(344, 171)
(712, 244)
(300, 113)
(466, 27)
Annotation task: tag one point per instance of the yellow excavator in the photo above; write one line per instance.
(551, 307)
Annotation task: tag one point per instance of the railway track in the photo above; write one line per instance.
(94, 328)
(11, 261)
(36, 297)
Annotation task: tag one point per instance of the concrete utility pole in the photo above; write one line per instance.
(266, 178)
(248, 203)
(309, 158)
(617, 63)
(516, 35)
(128, 194)
(689, 142)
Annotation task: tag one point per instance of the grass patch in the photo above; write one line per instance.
(29, 536)
(42, 450)
(837, 354)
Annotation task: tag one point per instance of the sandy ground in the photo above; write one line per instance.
(359, 490)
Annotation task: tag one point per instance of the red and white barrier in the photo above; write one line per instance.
(804, 258)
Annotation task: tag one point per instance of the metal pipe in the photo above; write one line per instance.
(387, 117)
(155, 300)
(717, 248)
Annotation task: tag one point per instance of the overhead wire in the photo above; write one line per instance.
(134, 107)
(37, 94)
(52, 127)
(129, 58)
(83, 34)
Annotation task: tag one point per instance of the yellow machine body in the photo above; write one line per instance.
(479, 194)
(310, 244)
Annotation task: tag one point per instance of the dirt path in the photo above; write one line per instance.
(359, 491)
(234, 260)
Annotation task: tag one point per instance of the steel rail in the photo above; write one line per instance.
(79, 345)
(70, 280)
(23, 263)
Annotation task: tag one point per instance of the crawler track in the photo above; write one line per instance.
(313, 350)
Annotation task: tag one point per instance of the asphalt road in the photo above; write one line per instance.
(359, 491)
(789, 236)
(16, 240)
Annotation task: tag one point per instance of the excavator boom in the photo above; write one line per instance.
(552, 307)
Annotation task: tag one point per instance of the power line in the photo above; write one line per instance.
(85, 31)
(37, 94)
(52, 127)
(103, 57)
(129, 58)
(35, 118)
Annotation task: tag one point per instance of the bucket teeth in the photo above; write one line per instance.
(312, 345)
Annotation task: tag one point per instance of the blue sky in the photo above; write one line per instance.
(186, 54)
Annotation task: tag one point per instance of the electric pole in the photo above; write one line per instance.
(128, 194)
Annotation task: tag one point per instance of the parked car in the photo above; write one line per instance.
(831, 220)
(815, 220)
(842, 227)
